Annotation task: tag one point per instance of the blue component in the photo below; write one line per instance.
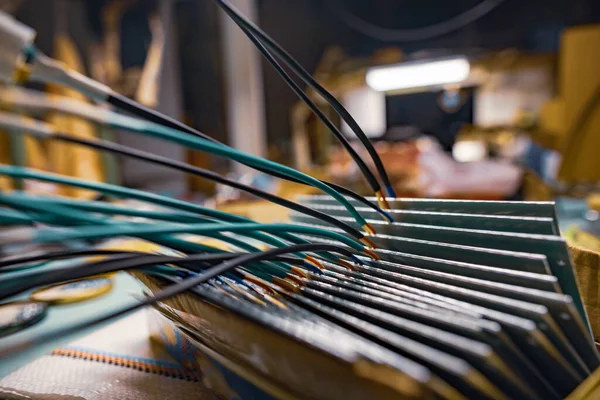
(356, 260)
(390, 191)
(311, 267)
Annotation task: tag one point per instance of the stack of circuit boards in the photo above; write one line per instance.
(471, 299)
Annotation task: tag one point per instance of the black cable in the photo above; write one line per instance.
(120, 261)
(304, 97)
(411, 35)
(12, 261)
(309, 80)
(139, 110)
(184, 167)
(169, 291)
(56, 255)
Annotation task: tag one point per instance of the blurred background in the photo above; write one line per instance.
(463, 99)
(479, 99)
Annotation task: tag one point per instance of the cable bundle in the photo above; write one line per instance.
(456, 300)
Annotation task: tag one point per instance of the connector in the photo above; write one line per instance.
(15, 38)
(368, 242)
(17, 123)
(346, 264)
(371, 254)
(369, 229)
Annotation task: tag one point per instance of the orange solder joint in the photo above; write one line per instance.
(346, 264)
(382, 201)
(294, 279)
(261, 283)
(299, 272)
(368, 242)
(371, 254)
(369, 229)
(314, 262)
(287, 285)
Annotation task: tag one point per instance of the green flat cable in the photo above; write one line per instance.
(74, 215)
(49, 204)
(96, 232)
(182, 138)
(107, 208)
(102, 207)
(68, 217)
(120, 191)
(12, 218)
(149, 197)
(7, 277)
(46, 204)
(21, 276)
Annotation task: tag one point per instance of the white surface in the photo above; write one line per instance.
(62, 378)
(55, 377)
(440, 175)
(367, 106)
(244, 86)
(65, 315)
(469, 150)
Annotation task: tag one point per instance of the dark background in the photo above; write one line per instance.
(306, 28)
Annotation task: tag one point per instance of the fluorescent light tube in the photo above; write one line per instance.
(418, 74)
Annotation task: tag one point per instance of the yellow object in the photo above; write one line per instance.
(73, 292)
(381, 200)
(137, 245)
(594, 202)
(587, 269)
(585, 252)
(582, 239)
(535, 188)
(5, 183)
(70, 159)
(22, 74)
(568, 122)
(260, 211)
(215, 243)
(589, 389)
(369, 229)
(552, 124)
(34, 157)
